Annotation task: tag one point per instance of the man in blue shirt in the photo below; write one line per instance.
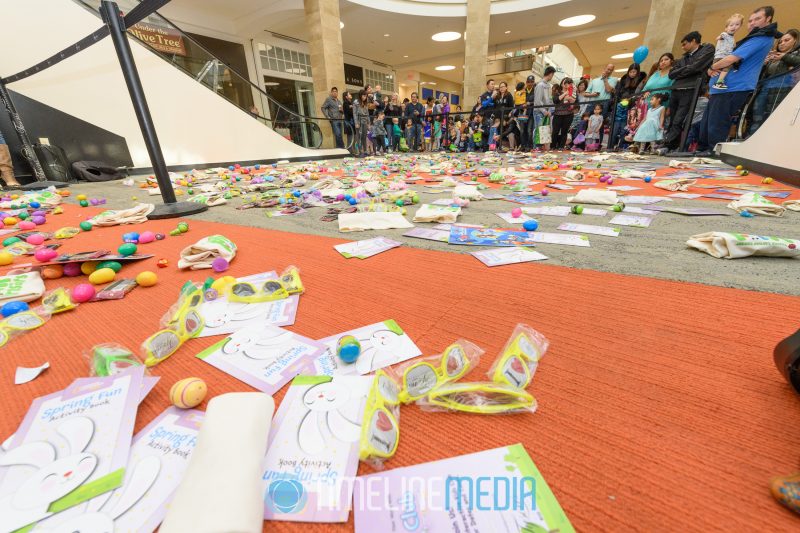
(749, 54)
(602, 88)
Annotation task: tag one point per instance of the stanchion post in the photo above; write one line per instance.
(171, 207)
(690, 116)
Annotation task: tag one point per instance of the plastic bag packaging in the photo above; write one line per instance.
(58, 300)
(109, 359)
(488, 398)
(420, 376)
(181, 323)
(380, 429)
(22, 322)
(517, 363)
(287, 284)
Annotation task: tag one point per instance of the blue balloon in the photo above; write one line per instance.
(640, 54)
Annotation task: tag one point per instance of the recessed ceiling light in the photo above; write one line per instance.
(576, 21)
(621, 70)
(445, 67)
(622, 56)
(341, 24)
(446, 36)
(405, 56)
(622, 37)
(507, 32)
(431, 83)
(385, 34)
(271, 83)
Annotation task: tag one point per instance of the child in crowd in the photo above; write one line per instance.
(475, 132)
(379, 133)
(511, 132)
(409, 134)
(494, 135)
(593, 129)
(579, 133)
(631, 126)
(455, 138)
(652, 129)
(427, 135)
(437, 133)
(725, 45)
(396, 133)
(519, 95)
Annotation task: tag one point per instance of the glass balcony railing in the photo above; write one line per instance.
(193, 58)
(768, 95)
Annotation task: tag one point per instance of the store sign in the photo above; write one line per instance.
(167, 40)
(353, 75)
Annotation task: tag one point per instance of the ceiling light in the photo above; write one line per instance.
(445, 67)
(621, 70)
(622, 56)
(622, 37)
(405, 56)
(579, 20)
(431, 83)
(341, 24)
(507, 32)
(446, 36)
(385, 34)
(271, 83)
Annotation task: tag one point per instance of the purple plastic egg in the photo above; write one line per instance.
(38, 220)
(94, 201)
(72, 269)
(38, 213)
(339, 197)
(220, 264)
(160, 236)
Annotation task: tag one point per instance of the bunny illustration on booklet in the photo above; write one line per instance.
(72, 446)
(313, 449)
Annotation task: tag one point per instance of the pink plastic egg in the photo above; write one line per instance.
(146, 236)
(603, 178)
(545, 192)
(82, 293)
(43, 255)
(610, 180)
(36, 239)
(72, 269)
(26, 225)
(516, 212)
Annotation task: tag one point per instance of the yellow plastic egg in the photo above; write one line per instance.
(222, 284)
(15, 196)
(739, 167)
(188, 393)
(80, 197)
(6, 258)
(10, 221)
(767, 181)
(146, 278)
(102, 275)
(87, 267)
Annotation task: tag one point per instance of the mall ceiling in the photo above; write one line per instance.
(382, 30)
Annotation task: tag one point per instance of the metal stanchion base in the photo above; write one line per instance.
(38, 185)
(178, 209)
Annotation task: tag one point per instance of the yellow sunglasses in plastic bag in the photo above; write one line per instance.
(184, 324)
(518, 360)
(481, 398)
(380, 430)
(422, 376)
(20, 323)
(267, 291)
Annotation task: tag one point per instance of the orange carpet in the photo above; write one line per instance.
(659, 404)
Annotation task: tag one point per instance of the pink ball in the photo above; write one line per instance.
(610, 180)
(603, 178)
(43, 255)
(220, 264)
(545, 192)
(516, 212)
(146, 236)
(38, 220)
(36, 239)
(26, 225)
(72, 269)
(82, 293)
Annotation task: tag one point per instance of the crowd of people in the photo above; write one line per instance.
(637, 111)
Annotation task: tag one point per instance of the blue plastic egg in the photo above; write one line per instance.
(231, 168)
(352, 201)
(648, 179)
(35, 205)
(12, 308)
(530, 225)
(257, 167)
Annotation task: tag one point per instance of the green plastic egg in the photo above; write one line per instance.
(86, 225)
(127, 249)
(113, 265)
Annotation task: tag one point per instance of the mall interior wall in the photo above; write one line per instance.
(195, 125)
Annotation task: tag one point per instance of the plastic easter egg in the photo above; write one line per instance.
(80, 197)
(38, 214)
(130, 237)
(516, 212)
(23, 215)
(767, 181)
(52, 271)
(102, 276)
(72, 269)
(43, 255)
(36, 239)
(113, 265)
(6, 258)
(188, 393)
(82, 292)
(94, 201)
(220, 264)
(38, 220)
(648, 179)
(84, 203)
(530, 225)
(86, 225)
(339, 197)
(127, 249)
(610, 181)
(35, 205)
(577, 209)
(603, 178)
(352, 201)
(183, 227)
(12, 308)
(146, 278)
(87, 267)
(26, 225)
(11, 240)
(231, 168)
(10, 221)
(160, 236)
(545, 192)
(146, 236)
(618, 208)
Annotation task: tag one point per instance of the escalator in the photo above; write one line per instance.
(186, 53)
